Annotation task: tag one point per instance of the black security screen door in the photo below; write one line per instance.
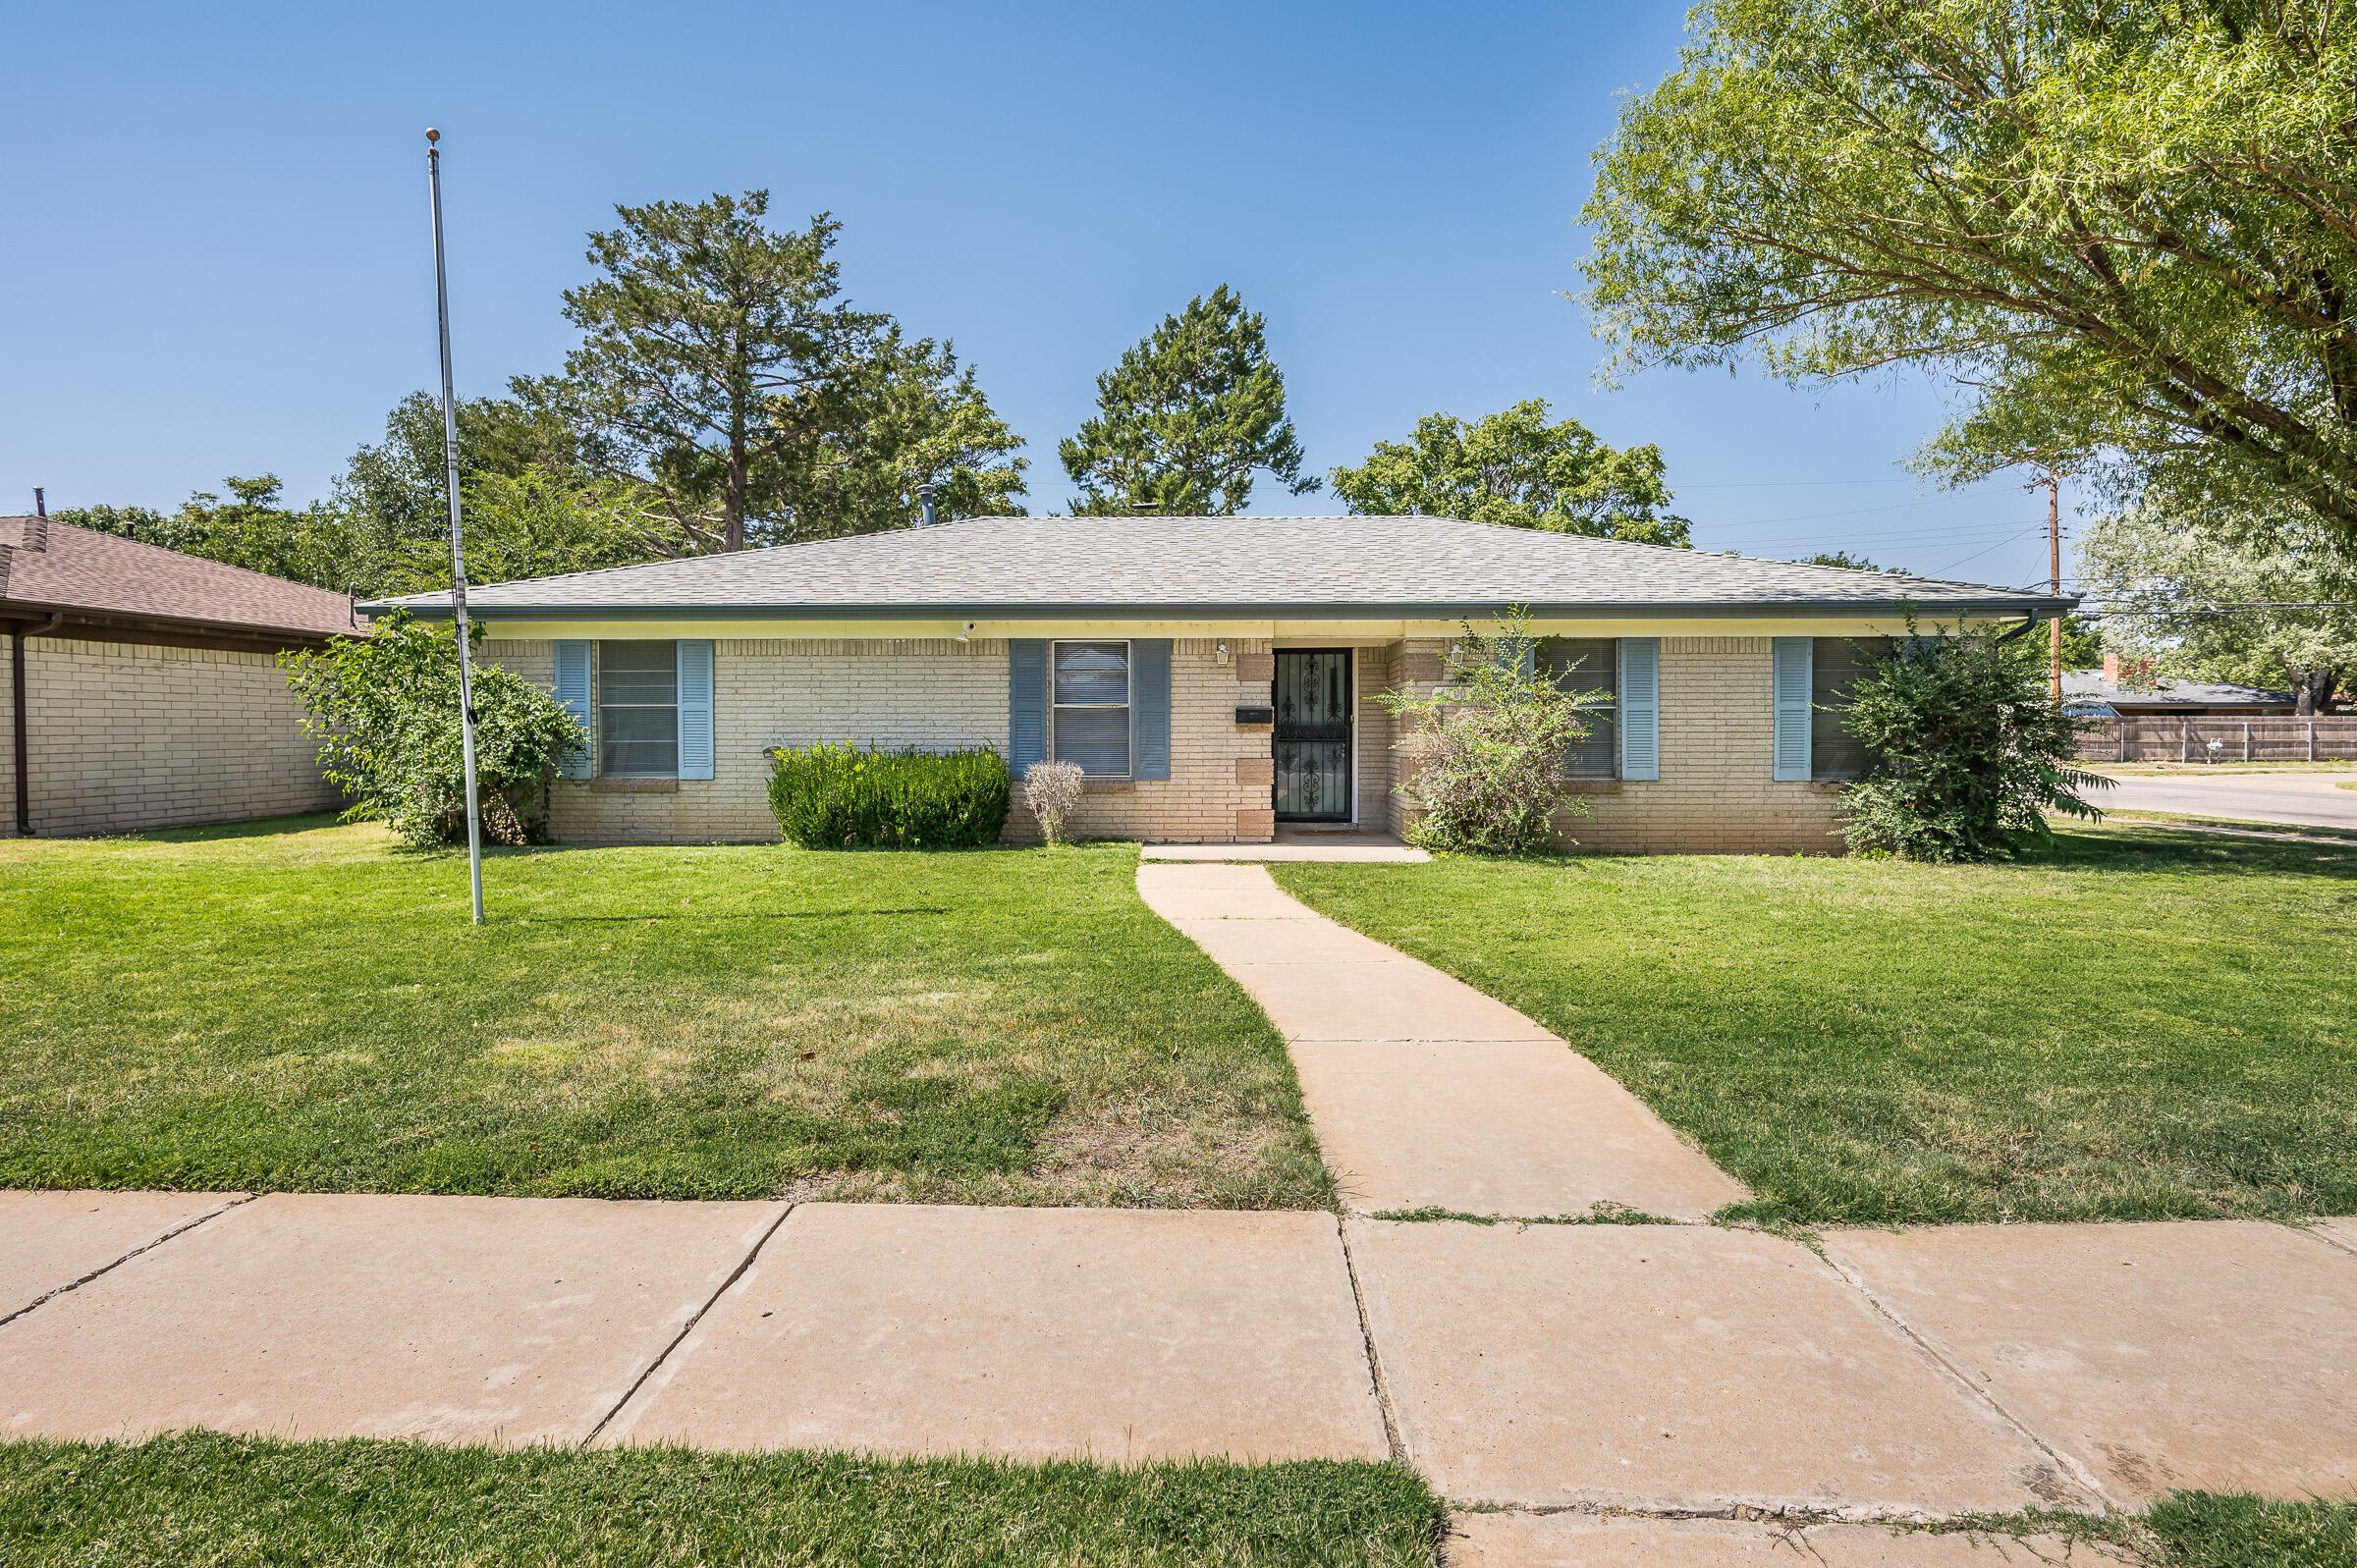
(1313, 735)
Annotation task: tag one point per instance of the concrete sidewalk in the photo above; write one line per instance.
(1425, 1093)
(1654, 1370)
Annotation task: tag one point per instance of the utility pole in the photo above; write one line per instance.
(2052, 483)
(458, 547)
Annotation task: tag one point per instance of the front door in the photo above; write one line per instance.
(1313, 735)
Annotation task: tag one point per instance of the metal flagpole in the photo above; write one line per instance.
(458, 547)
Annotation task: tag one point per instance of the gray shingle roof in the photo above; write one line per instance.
(2089, 685)
(1239, 567)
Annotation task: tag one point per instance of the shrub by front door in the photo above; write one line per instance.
(1312, 741)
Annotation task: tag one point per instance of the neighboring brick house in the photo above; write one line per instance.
(142, 687)
(1215, 677)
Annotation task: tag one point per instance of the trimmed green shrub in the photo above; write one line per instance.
(384, 709)
(833, 797)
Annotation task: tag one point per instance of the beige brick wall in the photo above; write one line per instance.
(1714, 792)
(914, 692)
(125, 737)
(1217, 790)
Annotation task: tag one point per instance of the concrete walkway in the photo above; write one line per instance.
(1425, 1093)
(1633, 1375)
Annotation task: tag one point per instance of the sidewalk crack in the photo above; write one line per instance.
(180, 1229)
(1366, 1334)
(2064, 1461)
(660, 1356)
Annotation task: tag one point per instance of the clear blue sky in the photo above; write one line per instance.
(218, 257)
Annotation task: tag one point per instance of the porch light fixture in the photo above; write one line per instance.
(1223, 650)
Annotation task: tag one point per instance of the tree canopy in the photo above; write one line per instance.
(2259, 606)
(252, 528)
(720, 364)
(2126, 229)
(1187, 419)
(1514, 467)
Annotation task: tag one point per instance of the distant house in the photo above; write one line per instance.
(2099, 694)
(1216, 678)
(143, 688)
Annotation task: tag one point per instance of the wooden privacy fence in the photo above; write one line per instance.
(2164, 738)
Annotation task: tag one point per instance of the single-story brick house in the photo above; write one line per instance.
(1216, 677)
(143, 687)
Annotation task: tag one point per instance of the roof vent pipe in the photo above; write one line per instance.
(924, 506)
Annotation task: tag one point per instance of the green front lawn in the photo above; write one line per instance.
(206, 1501)
(2144, 1024)
(304, 1006)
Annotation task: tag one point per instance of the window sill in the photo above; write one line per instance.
(631, 784)
(1104, 786)
(1590, 786)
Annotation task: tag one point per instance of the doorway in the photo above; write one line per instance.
(1313, 735)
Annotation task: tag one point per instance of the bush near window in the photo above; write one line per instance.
(1490, 747)
(1968, 751)
(1052, 789)
(385, 709)
(833, 797)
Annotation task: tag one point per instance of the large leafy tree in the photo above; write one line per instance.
(905, 413)
(535, 523)
(394, 487)
(1187, 419)
(252, 528)
(2255, 604)
(1515, 468)
(2124, 227)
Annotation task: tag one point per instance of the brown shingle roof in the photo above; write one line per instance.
(47, 565)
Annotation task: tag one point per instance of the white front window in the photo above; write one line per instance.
(1091, 717)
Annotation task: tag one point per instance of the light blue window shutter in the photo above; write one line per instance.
(1026, 703)
(1641, 708)
(1150, 706)
(695, 708)
(1793, 674)
(573, 694)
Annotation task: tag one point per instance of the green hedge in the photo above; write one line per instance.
(831, 796)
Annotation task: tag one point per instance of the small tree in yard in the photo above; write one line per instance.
(385, 709)
(1052, 789)
(1489, 747)
(1969, 752)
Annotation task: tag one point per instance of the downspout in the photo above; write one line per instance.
(2028, 624)
(16, 709)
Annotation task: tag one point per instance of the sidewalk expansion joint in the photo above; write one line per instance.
(2327, 1238)
(2064, 1462)
(660, 1356)
(180, 1229)
(1793, 1516)
(1366, 1334)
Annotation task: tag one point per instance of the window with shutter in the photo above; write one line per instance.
(1089, 720)
(1589, 664)
(1836, 663)
(1640, 715)
(1789, 693)
(573, 694)
(639, 710)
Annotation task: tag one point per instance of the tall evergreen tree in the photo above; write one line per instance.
(1187, 417)
(720, 364)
